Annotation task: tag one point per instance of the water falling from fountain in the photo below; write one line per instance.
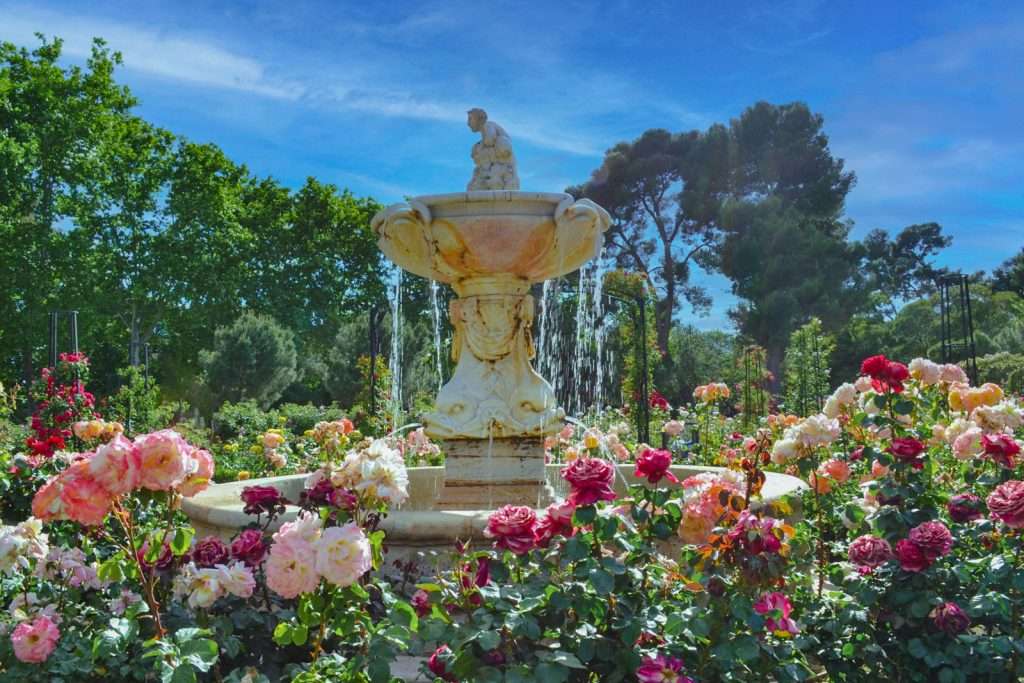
(436, 314)
(588, 352)
(395, 361)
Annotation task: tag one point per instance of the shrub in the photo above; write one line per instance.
(255, 358)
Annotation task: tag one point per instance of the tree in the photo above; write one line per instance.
(657, 227)
(899, 269)
(808, 366)
(1009, 277)
(53, 125)
(253, 359)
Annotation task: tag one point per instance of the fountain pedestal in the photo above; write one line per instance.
(484, 474)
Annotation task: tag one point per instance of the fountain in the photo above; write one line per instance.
(489, 244)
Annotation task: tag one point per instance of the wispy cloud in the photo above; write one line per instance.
(180, 58)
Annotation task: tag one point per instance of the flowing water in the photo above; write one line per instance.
(436, 314)
(395, 361)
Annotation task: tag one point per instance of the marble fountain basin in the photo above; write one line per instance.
(418, 526)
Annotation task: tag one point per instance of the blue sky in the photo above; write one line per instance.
(924, 100)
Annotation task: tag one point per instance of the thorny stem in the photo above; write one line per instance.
(148, 579)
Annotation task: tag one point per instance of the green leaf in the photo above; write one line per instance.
(299, 634)
(402, 613)
(183, 673)
(182, 540)
(548, 672)
(746, 648)
(602, 581)
(283, 634)
(584, 515)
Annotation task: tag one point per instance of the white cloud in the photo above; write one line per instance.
(178, 58)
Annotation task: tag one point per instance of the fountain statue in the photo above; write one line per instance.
(490, 244)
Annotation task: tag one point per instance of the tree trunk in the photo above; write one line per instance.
(775, 352)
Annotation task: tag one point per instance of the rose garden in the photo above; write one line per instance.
(556, 505)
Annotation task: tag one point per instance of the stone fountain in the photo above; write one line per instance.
(490, 244)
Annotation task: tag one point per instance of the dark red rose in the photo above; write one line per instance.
(658, 401)
(950, 619)
(869, 551)
(1002, 448)
(249, 547)
(653, 464)
(439, 661)
(908, 450)
(514, 528)
(933, 538)
(421, 602)
(857, 454)
(556, 522)
(494, 657)
(911, 558)
(344, 499)
(964, 507)
(320, 493)
(163, 561)
(483, 572)
(261, 500)
(590, 479)
(209, 551)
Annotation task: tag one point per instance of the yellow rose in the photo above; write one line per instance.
(243, 475)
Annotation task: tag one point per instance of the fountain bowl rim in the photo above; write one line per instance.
(492, 196)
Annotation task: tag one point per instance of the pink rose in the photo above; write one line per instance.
(200, 473)
(776, 608)
(661, 669)
(84, 499)
(911, 558)
(116, 466)
(590, 479)
(933, 538)
(654, 464)
(291, 568)
(514, 528)
(439, 661)
(1002, 448)
(950, 619)
(421, 602)
(837, 469)
(263, 499)
(343, 554)
(47, 504)
(35, 640)
(1006, 503)
(557, 522)
(673, 428)
(907, 450)
(870, 551)
(163, 459)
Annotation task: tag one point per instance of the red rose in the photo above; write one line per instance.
(654, 464)
(513, 527)
(249, 547)
(261, 499)
(421, 603)
(1001, 448)
(1006, 503)
(933, 538)
(964, 507)
(318, 494)
(870, 551)
(910, 556)
(163, 561)
(438, 663)
(874, 366)
(908, 449)
(950, 619)
(209, 551)
(590, 479)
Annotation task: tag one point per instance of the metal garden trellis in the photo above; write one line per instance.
(960, 348)
(638, 304)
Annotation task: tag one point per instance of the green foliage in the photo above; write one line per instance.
(1003, 368)
(254, 359)
(701, 356)
(136, 404)
(808, 368)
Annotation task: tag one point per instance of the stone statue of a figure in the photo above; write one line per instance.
(493, 160)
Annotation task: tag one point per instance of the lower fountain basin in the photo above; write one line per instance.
(418, 526)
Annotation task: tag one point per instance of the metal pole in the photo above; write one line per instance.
(145, 371)
(373, 360)
(73, 327)
(53, 340)
(645, 434)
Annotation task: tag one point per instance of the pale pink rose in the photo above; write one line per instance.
(673, 428)
(164, 459)
(47, 504)
(953, 373)
(237, 579)
(837, 469)
(34, 641)
(291, 568)
(621, 452)
(968, 445)
(85, 500)
(567, 432)
(116, 466)
(306, 528)
(550, 442)
(201, 466)
(925, 371)
(343, 554)
(695, 527)
(862, 384)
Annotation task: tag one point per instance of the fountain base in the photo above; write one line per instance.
(486, 474)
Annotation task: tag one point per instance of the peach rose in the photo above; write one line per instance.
(201, 473)
(164, 459)
(85, 500)
(116, 466)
